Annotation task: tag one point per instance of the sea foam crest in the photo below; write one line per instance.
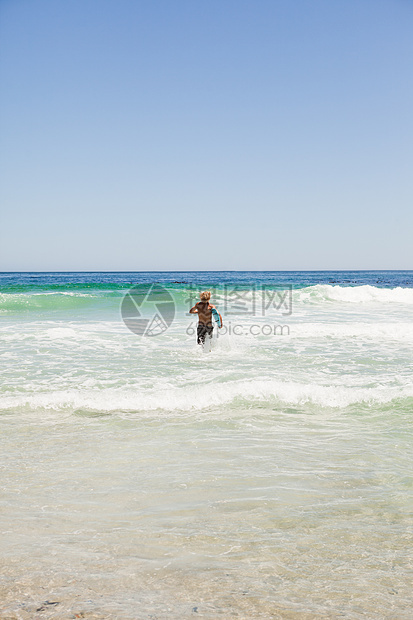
(355, 294)
(206, 397)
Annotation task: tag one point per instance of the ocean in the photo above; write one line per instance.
(144, 476)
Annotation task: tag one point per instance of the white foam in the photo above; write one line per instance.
(370, 331)
(58, 333)
(354, 294)
(206, 396)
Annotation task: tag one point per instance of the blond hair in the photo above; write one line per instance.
(205, 295)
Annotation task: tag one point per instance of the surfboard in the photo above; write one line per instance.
(216, 316)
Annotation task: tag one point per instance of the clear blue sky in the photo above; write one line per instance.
(228, 134)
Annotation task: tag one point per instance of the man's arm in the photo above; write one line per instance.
(194, 310)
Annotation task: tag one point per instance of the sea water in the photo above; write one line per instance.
(145, 478)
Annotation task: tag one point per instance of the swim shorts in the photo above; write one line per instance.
(202, 331)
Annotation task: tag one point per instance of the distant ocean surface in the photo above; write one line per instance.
(143, 477)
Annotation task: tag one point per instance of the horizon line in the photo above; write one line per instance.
(215, 271)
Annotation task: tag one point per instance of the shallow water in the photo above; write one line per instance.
(270, 478)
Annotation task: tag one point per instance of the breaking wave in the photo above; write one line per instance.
(354, 294)
(206, 397)
(70, 299)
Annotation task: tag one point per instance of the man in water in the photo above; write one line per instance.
(204, 311)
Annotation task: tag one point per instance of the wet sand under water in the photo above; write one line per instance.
(248, 517)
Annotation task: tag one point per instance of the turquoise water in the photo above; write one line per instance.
(144, 477)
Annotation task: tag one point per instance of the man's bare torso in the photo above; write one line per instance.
(204, 312)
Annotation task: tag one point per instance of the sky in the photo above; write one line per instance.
(223, 135)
